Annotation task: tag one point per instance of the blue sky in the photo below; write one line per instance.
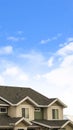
(36, 46)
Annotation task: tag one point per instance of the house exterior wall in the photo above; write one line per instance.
(17, 111)
(21, 126)
(25, 105)
(12, 111)
(54, 106)
(68, 127)
(47, 112)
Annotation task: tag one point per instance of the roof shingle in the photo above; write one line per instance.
(16, 94)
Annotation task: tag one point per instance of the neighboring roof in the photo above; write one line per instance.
(15, 95)
(11, 122)
(52, 123)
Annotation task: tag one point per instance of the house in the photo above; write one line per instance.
(26, 109)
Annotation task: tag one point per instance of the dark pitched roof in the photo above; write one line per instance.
(51, 123)
(16, 94)
(7, 121)
(3, 102)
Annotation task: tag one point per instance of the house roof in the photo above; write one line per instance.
(11, 122)
(15, 95)
(3, 103)
(52, 123)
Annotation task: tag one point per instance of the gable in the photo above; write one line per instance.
(69, 127)
(22, 124)
(57, 104)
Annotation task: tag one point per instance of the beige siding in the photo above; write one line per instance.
(68, 127)
(17, 111)
(45, 113)
(25, 105)
(12, 111)
(21, 126)
(54, 106)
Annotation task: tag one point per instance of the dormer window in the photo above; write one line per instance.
(55, 114)
(3, 110)
(25, 112)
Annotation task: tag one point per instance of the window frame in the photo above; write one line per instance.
(55, 114)
(1, 111)
(26, 112)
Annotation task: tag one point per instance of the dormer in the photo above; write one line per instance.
(55, 110)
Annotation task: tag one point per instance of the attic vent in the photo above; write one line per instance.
(37, 109)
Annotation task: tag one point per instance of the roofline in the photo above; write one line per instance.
(68, 121)
(58, 101)
(27, 97)
(4, 105)
(6, 126)
(23, 119)
(32, 101)
(5, 100)
(41, 124)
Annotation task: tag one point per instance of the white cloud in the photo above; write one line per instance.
(50, 62)
(15, 39)
(37, 76)
(15, 73)
(12, 71)
(45, 41)
(34, 57)
(6, 50)
(70, 39)
(66, 50)
(60, 79)
(1, 80)
(50, 39)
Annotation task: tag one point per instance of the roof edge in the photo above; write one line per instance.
(6, 100)
(56, 99)
(23, 119)
(41, 124)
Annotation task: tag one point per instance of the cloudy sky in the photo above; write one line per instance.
(36, 47)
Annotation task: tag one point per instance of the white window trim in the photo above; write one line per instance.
(4, 108)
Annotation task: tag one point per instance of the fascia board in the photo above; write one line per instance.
(4, 105)
(29, 100)
(58, 101)
(65, 124)
(41, 124)
(23, 119)
(6, 100)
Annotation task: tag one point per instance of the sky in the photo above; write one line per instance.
(36, 47)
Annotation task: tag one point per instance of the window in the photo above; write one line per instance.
(3, 110)
(25, 112)
(55, 114)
